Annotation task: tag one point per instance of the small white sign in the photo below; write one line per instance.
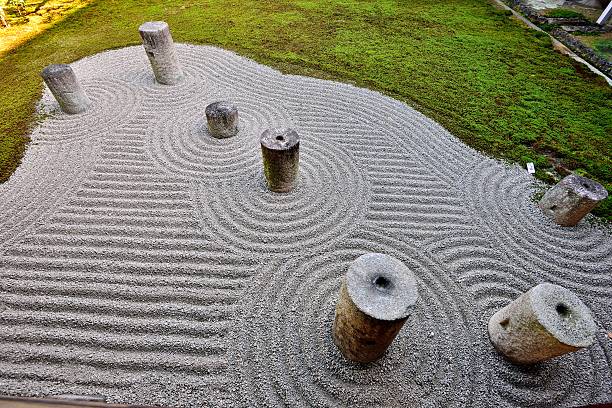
(530, 168)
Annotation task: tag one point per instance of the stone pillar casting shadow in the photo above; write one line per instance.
(222, 118)
(65, 87)
(158, 44)
(376, 297)
(280, 149)
(545, 322)
(571, 199)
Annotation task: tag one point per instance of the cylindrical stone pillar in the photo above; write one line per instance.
(65, 88)
(376, 297)
(571, 199)
(159, 46)
(545, 322)
(222, 118)
(280, 149)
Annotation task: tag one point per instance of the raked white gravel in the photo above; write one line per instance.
(143, 261)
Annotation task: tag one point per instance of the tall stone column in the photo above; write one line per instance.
(545, 322)
(65, 87)
(158, 44)
(376, 298)
(280, 149)
(571, 199)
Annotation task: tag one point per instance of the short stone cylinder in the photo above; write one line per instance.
(377, 296)
(222, 118)
(571, 199)
(158, 44)
(65, 87)
(545, 322)
(280, 149)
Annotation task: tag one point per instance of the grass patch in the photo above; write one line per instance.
(492, 82)
(33, 18)
(603, 47)
(600, 43)
(564, 13)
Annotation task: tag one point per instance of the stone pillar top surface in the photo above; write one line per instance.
(563, 314)
(382, 287)
(585, 187)
(153, 26)
(280, 139)
(220, 109)
(55, 69)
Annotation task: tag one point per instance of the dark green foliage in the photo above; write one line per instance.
(603, 47)
(564, 13)
(492, 82)
(548, 27)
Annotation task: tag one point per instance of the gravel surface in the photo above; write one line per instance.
(143, 261)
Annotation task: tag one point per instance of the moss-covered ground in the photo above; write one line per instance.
(564, 13)
(601, 44)
(492, 82)
(32, 18)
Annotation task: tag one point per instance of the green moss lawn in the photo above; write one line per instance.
(492, 82)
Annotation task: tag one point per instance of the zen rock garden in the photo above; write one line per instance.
(360, 318)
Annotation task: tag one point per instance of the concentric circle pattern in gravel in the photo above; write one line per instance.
(327, 203)
(143, 261)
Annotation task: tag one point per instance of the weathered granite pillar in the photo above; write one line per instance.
(545, 322)
(65, 87)
(222, 118)
(571, 199)
(159, 46)
(376, 297)
(280, 149)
